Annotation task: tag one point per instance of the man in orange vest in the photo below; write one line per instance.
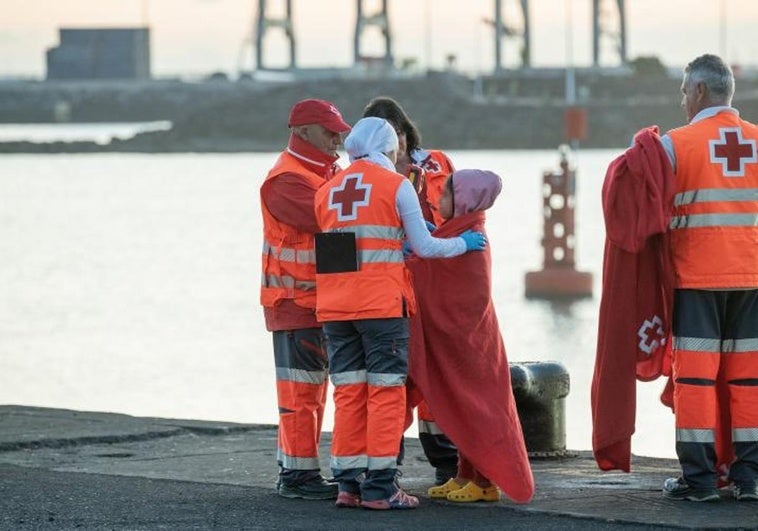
(364, 299)
(714, 245)
(427, 170)
(288, 292)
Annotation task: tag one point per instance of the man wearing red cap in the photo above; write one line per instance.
(288, 292)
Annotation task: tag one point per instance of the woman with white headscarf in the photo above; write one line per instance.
(364, 298)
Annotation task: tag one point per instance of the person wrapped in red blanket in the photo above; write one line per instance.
(458, 359)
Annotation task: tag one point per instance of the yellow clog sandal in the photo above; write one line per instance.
(474, 493)
(441, 491)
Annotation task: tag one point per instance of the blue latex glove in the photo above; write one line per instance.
(407, 251)
(431, 227)
(475, 241)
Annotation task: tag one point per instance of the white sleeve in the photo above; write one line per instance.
(668, 147)
(423, 243)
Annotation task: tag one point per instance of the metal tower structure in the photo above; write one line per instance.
(265, 23)
(599, 30)
(363, 22)
(605, 27)
(503, 31)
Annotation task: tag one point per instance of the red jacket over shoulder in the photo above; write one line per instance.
(635, 307)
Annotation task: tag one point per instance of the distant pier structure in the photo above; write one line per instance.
(604, 30)
(265, 22)
(506, 30)
(100, 53)
(364, 21)
(608, 29)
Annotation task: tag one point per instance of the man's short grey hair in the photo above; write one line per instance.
(715, 73)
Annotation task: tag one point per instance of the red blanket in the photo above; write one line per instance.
(634, 321)
(458, 361)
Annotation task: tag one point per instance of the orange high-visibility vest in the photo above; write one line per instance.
(289, 259)
(714, 228)
(437, 167)
(362, 199)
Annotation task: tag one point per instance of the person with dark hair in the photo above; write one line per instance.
(288, 292)
(427, 170)
(714, 247)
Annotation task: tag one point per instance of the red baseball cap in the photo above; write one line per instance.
(313, 111)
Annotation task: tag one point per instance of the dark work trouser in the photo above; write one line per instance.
(368, 365)
(716, 340)
(438, 448)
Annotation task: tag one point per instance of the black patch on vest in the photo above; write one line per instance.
(336, 252)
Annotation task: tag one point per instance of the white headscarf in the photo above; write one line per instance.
(370, 138)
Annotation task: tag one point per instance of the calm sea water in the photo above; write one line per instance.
(101, 133)
(129, 283)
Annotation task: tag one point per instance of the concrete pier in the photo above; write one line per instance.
(62, 469)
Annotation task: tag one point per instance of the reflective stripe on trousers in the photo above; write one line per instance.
(368, 365)
(716, 333)
(301, 385)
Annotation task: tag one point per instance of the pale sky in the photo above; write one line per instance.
(196, 37)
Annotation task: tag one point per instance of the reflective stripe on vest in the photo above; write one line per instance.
(714, 223)
(695, 435)
(381, 232)
(288, 255)
(375, 232)
(362, 200)
(286, 282)
(715, 195)
(708, 195)
(380, 256)
(714, 220)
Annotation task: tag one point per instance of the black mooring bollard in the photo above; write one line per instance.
(540, 389)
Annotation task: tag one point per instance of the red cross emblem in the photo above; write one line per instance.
(350, 195)
(431, 165)
(651, 335)
(732, 151)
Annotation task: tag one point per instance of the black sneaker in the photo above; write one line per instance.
(443, 474)
(313, 489)
(745, 493)
(678, 489)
